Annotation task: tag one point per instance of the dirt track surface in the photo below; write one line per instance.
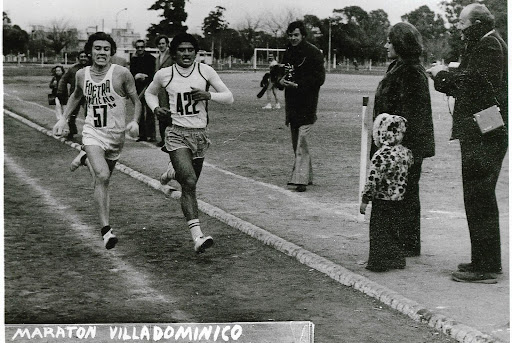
(58, 272)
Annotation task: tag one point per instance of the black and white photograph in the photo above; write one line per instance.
(271, 171)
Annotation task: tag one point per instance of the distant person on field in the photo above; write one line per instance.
(306, 73)
(163, 60)
(57, 73)
(67, 87)
(270, 83)
(142, 67)
(479, 82)
(187, 84)
(105, 86)
(404, 91)
(386, 188)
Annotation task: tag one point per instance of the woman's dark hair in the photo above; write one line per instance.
(181, 38)
(100, 36)
(299, 24)
(54, 69)
(406, 40)
(160, 37)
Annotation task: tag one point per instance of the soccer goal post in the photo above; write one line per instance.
(261, 55)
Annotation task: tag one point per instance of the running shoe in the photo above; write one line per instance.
(109, 239)
(78, 161)
(168, 175)
(202, 243)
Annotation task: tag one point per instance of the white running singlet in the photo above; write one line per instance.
(186, 112)
(106, 110)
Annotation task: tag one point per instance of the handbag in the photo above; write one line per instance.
(51, 99)
(489, 119)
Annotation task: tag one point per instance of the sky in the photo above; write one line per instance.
(106, 13)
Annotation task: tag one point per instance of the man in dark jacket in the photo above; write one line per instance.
(479, 82)
(63, 91)
(305, 75)
(142, 67)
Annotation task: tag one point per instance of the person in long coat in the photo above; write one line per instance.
(306, 74)
(404, 91)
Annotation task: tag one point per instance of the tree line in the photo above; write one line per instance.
(353, 32)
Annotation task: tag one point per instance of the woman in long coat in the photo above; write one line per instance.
(404, 91)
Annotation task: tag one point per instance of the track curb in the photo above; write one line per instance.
(412, 309)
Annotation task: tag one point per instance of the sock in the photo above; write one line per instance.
(194, 227)
(105, 229)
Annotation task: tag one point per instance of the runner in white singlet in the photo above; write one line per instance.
(187, 83)
(105, 87)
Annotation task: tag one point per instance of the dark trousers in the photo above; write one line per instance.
(386, 222)
(481, 166)
(146, 122)
(410, 232)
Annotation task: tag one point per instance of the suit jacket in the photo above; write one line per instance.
(480, 80)
(167, 61)
(142, 64)
(404, 91)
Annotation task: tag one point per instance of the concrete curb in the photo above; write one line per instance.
(417, 312)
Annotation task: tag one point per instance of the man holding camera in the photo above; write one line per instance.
(478, 83)
(305, 75)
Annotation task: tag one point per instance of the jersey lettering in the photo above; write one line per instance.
(186, 110)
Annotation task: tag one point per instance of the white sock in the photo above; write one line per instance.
(195, 229)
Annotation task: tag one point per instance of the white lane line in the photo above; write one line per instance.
(78, 119)
(136, 281)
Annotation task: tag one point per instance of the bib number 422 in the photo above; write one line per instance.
(185, 106)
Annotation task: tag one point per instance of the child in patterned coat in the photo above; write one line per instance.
(385, 188)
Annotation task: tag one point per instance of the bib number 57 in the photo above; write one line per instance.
(100, 115)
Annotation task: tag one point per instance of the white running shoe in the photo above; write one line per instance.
(78, 161)
(168, 175)
(109, 239)
(267, 106)
(277, 106)
(202, 243)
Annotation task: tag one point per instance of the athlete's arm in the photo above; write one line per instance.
(221, 95)
(151, 94)
(73, 102)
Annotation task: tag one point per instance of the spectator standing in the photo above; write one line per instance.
(404, 91)
(163, 60)
(306, 74)
(142, 67)
(57, 73)
(272, 81)
(67, 87)
(479, 82)
(385, 188)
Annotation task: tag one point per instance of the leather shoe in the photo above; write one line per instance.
(475, 277)
(468, 267)
(142, 139)
(301, 188)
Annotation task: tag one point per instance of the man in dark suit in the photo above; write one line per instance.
(142, 67)
(478, 83)
(164, 60)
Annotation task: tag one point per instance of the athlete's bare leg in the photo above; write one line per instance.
(102, 170)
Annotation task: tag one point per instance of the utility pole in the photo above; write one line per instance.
(329, 52)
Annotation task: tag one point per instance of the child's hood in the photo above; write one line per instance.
(389, 129)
